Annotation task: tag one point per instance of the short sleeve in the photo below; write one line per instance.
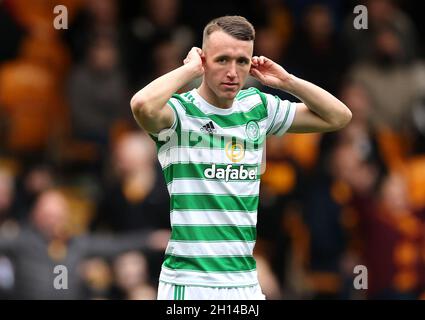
(281, 113)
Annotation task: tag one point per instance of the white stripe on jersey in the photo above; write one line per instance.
(194, 186)
(215, 249)
(213, 217)
(205, 155)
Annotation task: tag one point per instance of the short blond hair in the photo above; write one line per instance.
(236, 26)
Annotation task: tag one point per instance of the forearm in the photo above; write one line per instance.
(319, 101)
(152, 98)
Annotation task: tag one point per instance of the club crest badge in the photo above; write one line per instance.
(252, 130)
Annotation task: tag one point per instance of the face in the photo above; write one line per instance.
(51, 214)
(132, 153)
(131, 270)
(227, 63)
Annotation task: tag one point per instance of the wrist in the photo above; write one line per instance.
(193, 70)
(289, 83)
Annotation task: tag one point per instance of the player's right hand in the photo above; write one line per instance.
(195, 59)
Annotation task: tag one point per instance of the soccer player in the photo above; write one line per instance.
(210, 142)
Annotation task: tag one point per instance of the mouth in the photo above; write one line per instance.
(230, 85)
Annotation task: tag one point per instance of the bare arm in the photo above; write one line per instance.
(320, 110)
(149, 105)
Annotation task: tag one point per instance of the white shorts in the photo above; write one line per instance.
(167, 291)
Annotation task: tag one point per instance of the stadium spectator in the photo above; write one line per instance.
(46, 242)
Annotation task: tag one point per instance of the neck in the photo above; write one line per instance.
(209, 95)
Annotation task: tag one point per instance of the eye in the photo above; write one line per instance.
(243, 62)
(222, 60)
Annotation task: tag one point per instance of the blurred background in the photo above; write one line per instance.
(80, 185)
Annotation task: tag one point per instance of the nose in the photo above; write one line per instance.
(231, 72)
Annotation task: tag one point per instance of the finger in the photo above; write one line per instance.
(254, 61)
(197, 51)
(268, 61)
(262, 60)
(257, 74)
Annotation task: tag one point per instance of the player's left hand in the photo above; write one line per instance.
(268, 72)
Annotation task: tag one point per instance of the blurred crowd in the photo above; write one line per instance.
(80, 185)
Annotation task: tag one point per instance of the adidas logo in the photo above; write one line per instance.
(209, 127)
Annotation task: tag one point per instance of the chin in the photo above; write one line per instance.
(230, 94)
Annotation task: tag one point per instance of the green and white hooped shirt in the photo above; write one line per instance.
(211, 160)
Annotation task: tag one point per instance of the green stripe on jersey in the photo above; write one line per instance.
(234, 119)
(176, 292)
(284, 120)
(196, 171)
(213, 202)
(210, 264)
(245, 93)
(213, 233)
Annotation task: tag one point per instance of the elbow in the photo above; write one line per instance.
(344, 118)
(137, 104)
(139, 107)
(348, 115)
